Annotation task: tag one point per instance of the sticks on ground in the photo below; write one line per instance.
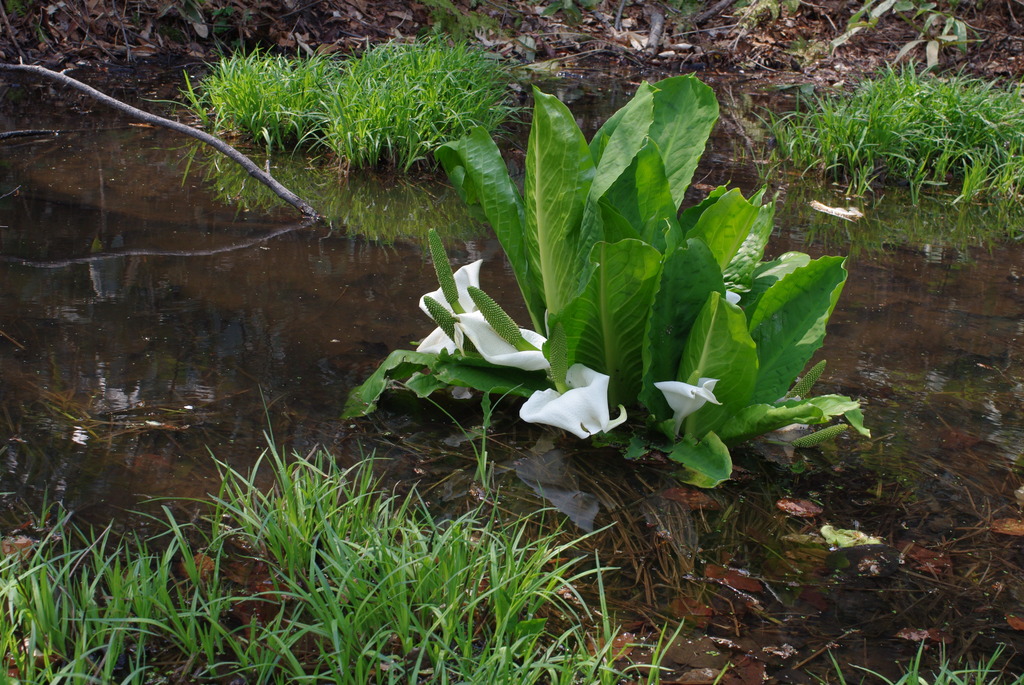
(219, 145)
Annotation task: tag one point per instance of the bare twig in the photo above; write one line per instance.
(10, 31)
(219, 145)
(18, 344)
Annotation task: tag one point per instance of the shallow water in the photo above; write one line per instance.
(146, 323)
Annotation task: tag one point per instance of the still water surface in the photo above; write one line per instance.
(148, 320)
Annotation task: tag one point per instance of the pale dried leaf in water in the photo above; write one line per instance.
(849, 213)
(799, 507)
(1008, 526)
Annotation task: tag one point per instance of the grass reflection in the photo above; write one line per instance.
(935, 221)
(380, 206)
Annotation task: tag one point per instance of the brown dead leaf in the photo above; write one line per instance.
(1008, 526)
(205, 565)
(733, 578)
(622, 646)
(799, 507)
(19, 544)
(689, 609)
(693, 498)
(815, 598)
(1015, 622)
(928, 560)
(746, 671)
(698, 676)
(923, 635)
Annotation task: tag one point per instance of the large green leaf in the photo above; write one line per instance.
(834, 405)
(705, 464)
(740, 271)
(689, 216)
(600, 141)
(688, 275)
(475, 167)
(481, 375)
(400, 365)
(719, 346)
(613, 225)
(788, 323)
(426, 372)
(627, 136)
(758, 419)
(641, 194)
(604, 326)
(685, 111)
(559, 171)
(766, 274)
(725, 225)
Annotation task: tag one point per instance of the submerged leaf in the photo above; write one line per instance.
(706, 463)
(840, 537)
(799, 507)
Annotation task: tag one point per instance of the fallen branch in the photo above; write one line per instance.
(219, 145)
(701, 17)
(4, 135)
(657, 28)
(153, 252)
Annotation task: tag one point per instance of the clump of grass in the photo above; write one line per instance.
(399, 101)
(918, 129)
(319, 579)
(393, 105)
(274, 100)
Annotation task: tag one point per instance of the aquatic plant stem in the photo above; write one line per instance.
(219, 145)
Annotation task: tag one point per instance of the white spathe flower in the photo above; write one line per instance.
(684, 399)
(582, 410)
(438, 340)
(496, 349)
(731, 297)
(465, 276)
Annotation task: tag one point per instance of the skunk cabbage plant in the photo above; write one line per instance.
(670, 316)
